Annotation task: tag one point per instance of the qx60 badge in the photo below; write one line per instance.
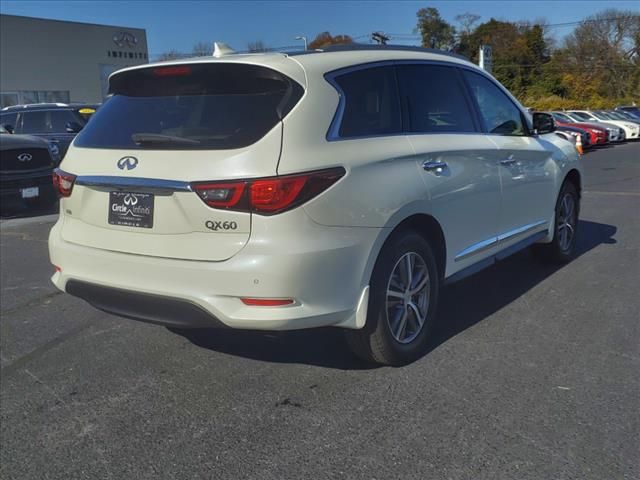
(215, 225)
(128, 163)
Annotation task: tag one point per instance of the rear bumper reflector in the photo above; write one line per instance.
(267, 302)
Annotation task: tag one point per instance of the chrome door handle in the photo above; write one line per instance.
(434, 165)
(508, 161)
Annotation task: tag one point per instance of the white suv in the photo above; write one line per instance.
(285, 191)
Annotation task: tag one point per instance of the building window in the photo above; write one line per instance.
(8, 99)
(25, 97)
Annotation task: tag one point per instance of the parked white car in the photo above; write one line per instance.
(630, 129)
(285, 191)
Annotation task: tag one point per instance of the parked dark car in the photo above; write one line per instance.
(26, 165)
(55, 122)
(632, 110)
(575, 132)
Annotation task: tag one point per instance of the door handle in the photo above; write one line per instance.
(434, 166)
(508, 161)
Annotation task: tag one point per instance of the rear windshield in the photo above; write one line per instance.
(201, 106)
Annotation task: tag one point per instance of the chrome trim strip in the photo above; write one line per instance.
(476, 248)
(119, 183)
(519, 231)
(503, 237)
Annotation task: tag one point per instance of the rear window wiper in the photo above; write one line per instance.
(160, 139)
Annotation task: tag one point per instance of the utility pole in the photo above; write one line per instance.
(304, 39)
(380, 38)
(485, 58)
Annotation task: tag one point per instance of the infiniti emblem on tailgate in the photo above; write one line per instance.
(127, 162)
(25, 157)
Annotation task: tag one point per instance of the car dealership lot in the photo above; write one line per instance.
(533, 374)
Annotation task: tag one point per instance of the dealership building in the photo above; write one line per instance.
(57, 61)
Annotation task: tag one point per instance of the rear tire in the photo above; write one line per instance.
(562, 247)
(403, 301)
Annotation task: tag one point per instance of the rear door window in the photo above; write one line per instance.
(434, 99)
(196, 106)
(58, 120)
(372, 105)
(33, 122)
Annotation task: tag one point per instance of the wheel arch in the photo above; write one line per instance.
(575, 178)
(421, 223)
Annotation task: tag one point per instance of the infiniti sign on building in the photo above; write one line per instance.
(56, 61)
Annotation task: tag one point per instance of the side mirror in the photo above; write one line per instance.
(8, 128)
(73, 127)
(543, 123)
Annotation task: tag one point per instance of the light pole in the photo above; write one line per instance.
(304, 39)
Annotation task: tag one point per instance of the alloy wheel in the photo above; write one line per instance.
(566, 222)
(407, 300)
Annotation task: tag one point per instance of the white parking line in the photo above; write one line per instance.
(594, 192)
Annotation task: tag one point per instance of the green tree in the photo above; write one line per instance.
(601, 56)
(325, 39)
(257, 46)
(170, 55)
(202, 49)
(435, 31)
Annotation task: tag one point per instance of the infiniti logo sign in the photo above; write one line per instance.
(25, 157)
(125, 39)
(127, 162)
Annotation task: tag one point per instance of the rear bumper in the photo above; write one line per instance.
(13, 184)
(324, 269)
(143, 306)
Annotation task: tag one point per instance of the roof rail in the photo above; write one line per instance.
(351, 47)
(31, 105)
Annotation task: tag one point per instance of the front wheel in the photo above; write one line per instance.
(403, 299)
(563, 245)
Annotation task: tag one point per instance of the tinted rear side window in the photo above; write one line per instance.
(434, 99)
(372, 105)
(59, 118)
(47, 121)
(33, 122)
(201, 106)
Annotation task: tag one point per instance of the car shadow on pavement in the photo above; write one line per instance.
(483, 294)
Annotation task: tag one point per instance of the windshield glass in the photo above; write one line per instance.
(563, 117)
(617, 116)
(581, 116)
(198, 106)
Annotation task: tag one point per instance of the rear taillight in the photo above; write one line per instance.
(63, 182)
(177, 71)
(267, 196)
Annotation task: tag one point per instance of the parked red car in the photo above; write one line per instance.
(597, 135)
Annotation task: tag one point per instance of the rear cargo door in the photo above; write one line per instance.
(164, 129)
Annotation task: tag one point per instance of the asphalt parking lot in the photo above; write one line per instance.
(533, 374)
